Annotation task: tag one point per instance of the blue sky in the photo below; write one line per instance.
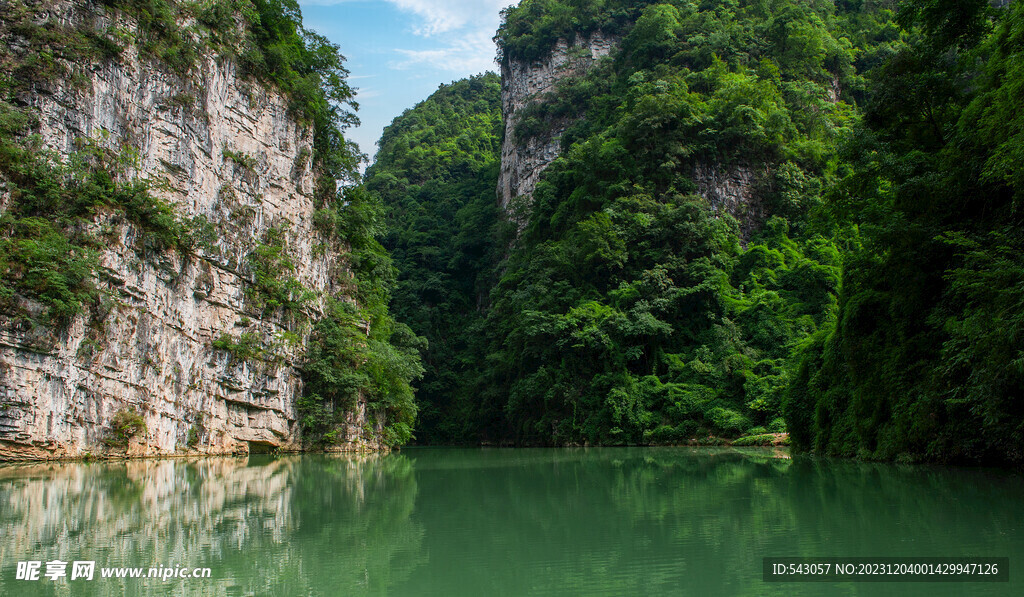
(399, 51)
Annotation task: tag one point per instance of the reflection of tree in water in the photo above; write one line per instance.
(360, 540)
(932, 511)
(686, 522)
(310, 525)
(600, 522)
(722, 514)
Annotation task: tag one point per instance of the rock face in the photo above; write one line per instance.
(525, 83)
(214, 145)
(732, 190)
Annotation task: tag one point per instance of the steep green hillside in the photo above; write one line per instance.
(436, 170)
(924, 359)
(629, 311)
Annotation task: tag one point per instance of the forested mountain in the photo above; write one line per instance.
(436, 169)
(630, 311)
(866, 295)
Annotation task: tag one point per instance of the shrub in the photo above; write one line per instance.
(754, 440)
(195, 432)
(126, 424)
(247, 346)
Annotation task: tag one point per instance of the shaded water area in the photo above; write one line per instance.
(630, 521)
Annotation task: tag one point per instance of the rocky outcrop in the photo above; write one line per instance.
(732, 190)
(524, 83)
(213, 145)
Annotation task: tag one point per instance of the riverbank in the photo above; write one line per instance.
(11, 453)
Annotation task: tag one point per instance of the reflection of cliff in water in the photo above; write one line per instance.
(264, 525)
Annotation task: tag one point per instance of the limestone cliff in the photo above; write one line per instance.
(215, 145)
(523, 83)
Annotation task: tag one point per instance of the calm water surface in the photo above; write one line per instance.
(657, 521)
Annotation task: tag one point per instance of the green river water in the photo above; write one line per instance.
(628, 521)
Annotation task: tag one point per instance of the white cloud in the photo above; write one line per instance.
(463, 29)
(365, 93)
(466, 54)
(443, 16)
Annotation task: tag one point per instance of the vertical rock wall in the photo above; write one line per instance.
(732, 190)
(525, 83)
(214, 145)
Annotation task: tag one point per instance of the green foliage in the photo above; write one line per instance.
(627, 311)
(126, 424)
(357, 350)
(159, 31)
(38, 261)
(195, 432)
(336, 351)
(245, 161)
(273, 285)
(356, 353)
(49, 50)
(311, 72)
(247, 346)
(923, 358)
(754, 440)
(531, 29)
(436, 172)
(450, 135)
(48, 252)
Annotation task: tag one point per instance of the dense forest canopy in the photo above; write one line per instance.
(629, 311)
(925, 356)
(436, 170)
(872, 304)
